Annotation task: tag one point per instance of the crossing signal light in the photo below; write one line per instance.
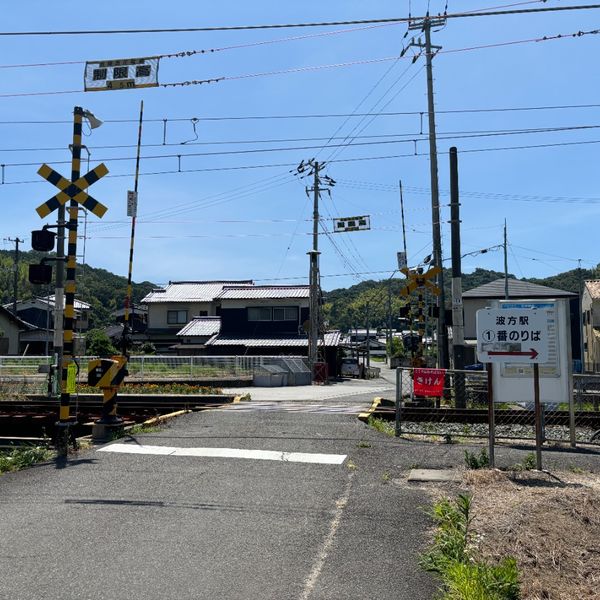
(42, 240)
(40, 274)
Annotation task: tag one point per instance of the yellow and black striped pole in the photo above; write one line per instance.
(69, 313)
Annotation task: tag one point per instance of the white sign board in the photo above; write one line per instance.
(516, 335)
(512, 380)
(121, 74)
(131, 204)
(343, 224)
(402, 264)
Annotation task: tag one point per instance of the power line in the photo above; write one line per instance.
(193, 82)
(476, 13)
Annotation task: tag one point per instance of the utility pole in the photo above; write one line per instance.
(315, 322)
(367, 317)
(313, 339)
(425, 24)
(458, 340)
(17, 241)
(506, 295)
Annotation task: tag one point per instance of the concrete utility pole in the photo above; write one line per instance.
(313, 339)
(581, 342)
(425, 25)
(506, 295)
(17, 241)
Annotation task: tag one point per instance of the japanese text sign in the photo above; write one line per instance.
(122, 74)
(512, 335)
(429, 382)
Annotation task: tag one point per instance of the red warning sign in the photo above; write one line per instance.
(429, 382)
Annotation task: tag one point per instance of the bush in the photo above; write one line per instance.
(97, 343)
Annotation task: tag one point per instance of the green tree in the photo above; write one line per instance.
(97, 343)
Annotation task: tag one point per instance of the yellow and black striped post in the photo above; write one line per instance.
(69, 314)
(108, 374)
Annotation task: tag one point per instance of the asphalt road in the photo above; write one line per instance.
(161, 526)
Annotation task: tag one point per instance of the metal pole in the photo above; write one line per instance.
(458, 336)
(442, 334)
(538, 416)
(491, 416)
(398, 425)
(581, 348)
(126, 328)
(368, 337)
(506, 296)
(17, 241)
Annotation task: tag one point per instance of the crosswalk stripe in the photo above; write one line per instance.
(276, 455)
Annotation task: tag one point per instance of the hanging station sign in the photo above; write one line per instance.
(121, 74)
(344, 224)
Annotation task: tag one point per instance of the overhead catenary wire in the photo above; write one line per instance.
(414, 140)
(342, 160)
(319, 115)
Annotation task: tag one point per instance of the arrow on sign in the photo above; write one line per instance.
(532, 353)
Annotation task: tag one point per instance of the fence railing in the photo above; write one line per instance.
(20, 374)
(462, 411)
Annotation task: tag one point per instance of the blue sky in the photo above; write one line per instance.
(255, 222)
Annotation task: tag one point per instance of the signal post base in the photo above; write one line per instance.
(105, 432)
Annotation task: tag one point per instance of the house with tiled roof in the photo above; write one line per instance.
(268, 320)
(174, 306)
(590, 305)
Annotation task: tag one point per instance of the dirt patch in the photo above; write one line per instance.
(549, 523)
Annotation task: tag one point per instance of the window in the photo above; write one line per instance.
(285, 313)
(203, 313)
(259, 313)
(177, 317)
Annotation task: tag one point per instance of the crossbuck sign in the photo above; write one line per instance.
(512, 335)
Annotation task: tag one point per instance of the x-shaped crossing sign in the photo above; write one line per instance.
(72, 190)
(420, 280)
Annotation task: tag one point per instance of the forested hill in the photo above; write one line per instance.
(102, 289)
(346, 307)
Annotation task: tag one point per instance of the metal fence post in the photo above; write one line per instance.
(491, 416)
(398, 401)
(142, 369)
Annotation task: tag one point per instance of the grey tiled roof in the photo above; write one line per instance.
(190, 291)
(201, 326)
(332, 338)
(516, 289)
(264, 291)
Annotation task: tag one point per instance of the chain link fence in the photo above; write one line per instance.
(20, 375)
(462, 410)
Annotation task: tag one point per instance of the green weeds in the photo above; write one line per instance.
(477, 461)
(22, 458)
(453, 557)
(383, 426)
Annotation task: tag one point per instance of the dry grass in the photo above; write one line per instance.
(550, 525)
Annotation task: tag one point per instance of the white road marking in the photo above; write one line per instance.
(340, 505)
(299, 457)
